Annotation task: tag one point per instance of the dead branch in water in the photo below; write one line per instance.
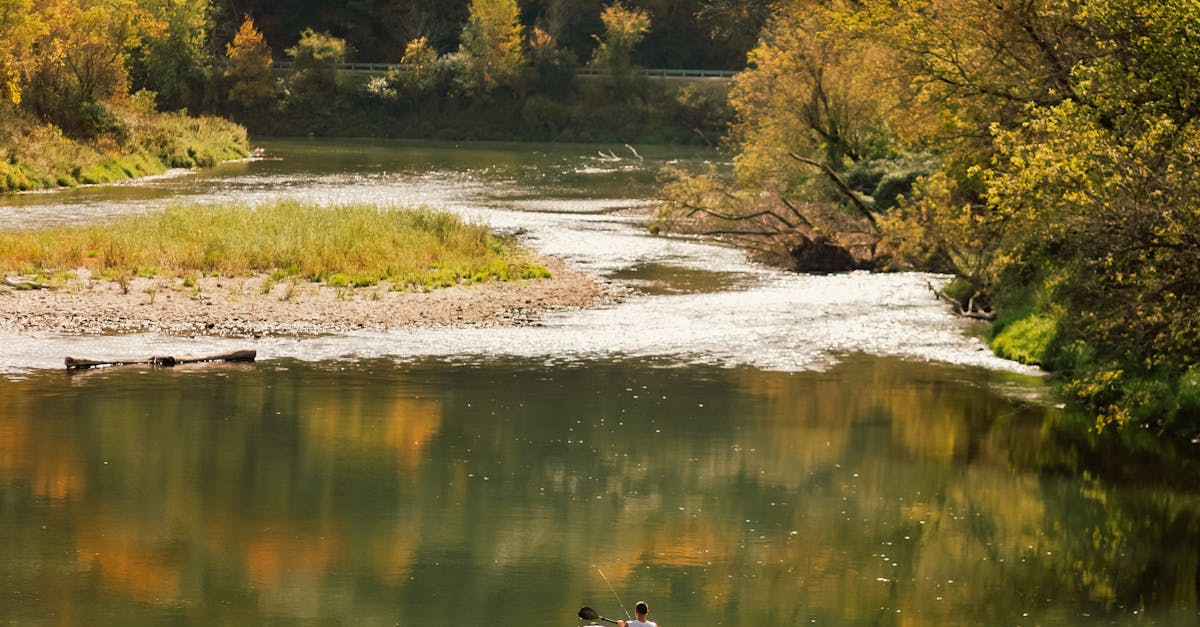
(970, 310)
(77, 363)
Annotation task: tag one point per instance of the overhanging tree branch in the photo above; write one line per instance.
(693, 210)
(841, 185)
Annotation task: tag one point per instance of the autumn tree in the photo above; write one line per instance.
(966, 70)
(817, 159)
(1057, 138)
(553, 67)
(490, 51)
(19, 28)
(624, 29)
(248, 72)
(1100, 196)
(82, 62)
(737, 23)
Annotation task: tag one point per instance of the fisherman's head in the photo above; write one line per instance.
(641, 609)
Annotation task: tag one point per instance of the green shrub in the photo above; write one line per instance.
(1026, 340)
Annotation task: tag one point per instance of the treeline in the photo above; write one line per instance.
(505, 79)
(1043, 151)
(83, 81)
(712, 34)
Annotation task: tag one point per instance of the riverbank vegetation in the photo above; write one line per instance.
(81, 85)
(503, 79)
(355, 245)
(82, 82)
(1042, 151)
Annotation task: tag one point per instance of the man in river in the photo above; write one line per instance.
(642, 611)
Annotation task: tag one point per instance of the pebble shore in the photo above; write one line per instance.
(255, 306)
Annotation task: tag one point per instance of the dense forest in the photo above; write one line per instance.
(711, 34)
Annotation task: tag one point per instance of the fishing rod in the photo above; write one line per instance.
(614, 591)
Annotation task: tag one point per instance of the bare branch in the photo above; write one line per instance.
(796, 212)
(736, 218)
(841, 185)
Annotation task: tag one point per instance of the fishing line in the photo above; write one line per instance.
(614, 591)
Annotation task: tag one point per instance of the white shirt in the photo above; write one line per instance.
(640, 623)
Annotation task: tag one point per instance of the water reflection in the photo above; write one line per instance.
(376, 492)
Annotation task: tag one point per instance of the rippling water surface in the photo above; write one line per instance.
(735, 444)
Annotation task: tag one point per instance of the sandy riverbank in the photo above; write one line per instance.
(255, 306)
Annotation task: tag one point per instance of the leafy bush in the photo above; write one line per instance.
(1026, 340)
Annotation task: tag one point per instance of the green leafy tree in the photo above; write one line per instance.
(624, 29)
(313, 85)
(491, 48)
(174, 60)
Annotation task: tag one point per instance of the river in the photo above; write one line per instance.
(735, 444)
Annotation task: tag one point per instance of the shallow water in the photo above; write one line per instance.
(737, 445)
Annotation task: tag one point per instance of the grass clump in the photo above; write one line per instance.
(1027, 339)
(344, 246)
(1027, 329)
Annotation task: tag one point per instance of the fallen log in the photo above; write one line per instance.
(24, 285)
(76, 363)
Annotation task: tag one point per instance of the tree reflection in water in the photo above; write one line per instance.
(878, 492)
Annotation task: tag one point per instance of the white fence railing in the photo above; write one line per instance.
(580, 71)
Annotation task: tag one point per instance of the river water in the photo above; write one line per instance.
(737, 445)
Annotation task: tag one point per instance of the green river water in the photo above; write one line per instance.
(734, 445)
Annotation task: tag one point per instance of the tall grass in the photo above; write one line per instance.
(34, 155)
(355, 245)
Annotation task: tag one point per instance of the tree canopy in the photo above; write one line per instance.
(685, 34)
(1042, 150)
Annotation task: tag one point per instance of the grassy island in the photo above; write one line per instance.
(344, 246)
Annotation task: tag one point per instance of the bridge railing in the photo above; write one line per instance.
(663, 73)
(580, 71)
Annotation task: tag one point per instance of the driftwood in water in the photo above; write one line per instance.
(75, 363)
(970, 310)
